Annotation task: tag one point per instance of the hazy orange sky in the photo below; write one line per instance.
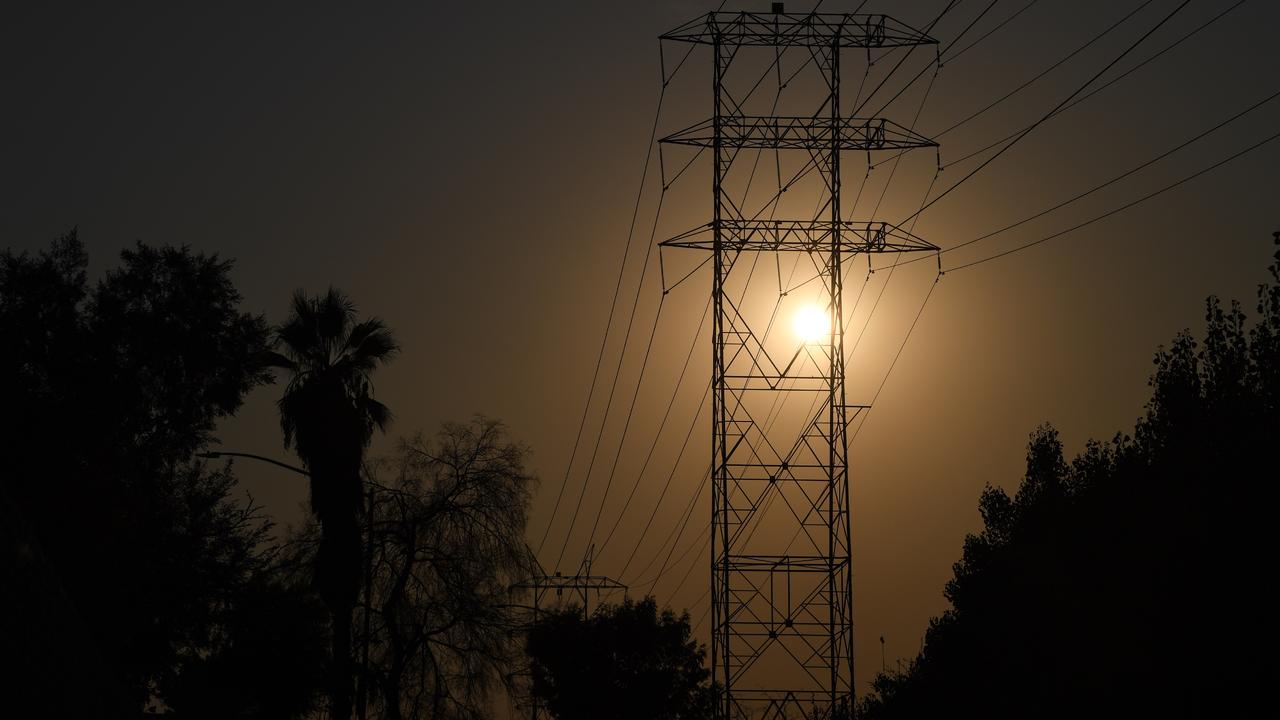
(467, 172)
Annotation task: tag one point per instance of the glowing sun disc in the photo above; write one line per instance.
(812, 323)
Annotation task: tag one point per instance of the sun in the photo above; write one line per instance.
(812, 323)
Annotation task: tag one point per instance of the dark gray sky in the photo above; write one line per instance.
(466, 171)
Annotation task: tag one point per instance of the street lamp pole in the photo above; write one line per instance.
(362, 694)
(221, 453)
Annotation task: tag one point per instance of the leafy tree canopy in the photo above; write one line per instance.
(124, 559)
(1132, 579)
(626, 661)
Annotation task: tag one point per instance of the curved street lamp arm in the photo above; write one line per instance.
(220, 453)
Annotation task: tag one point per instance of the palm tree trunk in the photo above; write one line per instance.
(338, 573)
(341, 689)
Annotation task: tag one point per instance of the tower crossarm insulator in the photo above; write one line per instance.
(801, 133)
(784, 563)
(570, 582)
(825, 30)
(802, 236)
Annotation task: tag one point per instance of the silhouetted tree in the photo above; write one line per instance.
(121, 556)
(328, 415)
(265, 654)
(1133, 579)
(626, 661)
(447, 543)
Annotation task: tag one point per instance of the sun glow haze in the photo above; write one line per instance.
(812, 323)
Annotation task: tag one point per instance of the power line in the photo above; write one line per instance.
(1048, 115)
(1046, 71)
(700, 543)
(969, 27)
(1105, 85)
(666, 80)
(688, 510)
(652, 447)
(914, 122)
(928, 28)
(1122, 208)
(1068, 107)
(617, 289)
(666, 486)
(688, 513)
(1113, 180)
(942, 56)
(898, 354)
(884, 380)
(693, 498)
(622, 353)
(871, 314)
(777, 65)
(1002, 23)
(700, 546)
(613, 469)
(897, 160)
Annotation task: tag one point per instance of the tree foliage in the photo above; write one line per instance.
(626, 661)
(447, 542)
(1132, 578)
(125, 560)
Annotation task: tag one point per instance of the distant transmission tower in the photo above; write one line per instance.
(540, 586)
(782, 615)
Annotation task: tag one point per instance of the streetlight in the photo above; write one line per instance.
(219, 454)
(362, 693)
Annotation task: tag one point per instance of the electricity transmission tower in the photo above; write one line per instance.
(781, 576)
(580, 584)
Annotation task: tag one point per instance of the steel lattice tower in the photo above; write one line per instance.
(782, 627)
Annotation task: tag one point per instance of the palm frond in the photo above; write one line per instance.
(287, 404)
(358, 361)
(334, 312)
(379, 415)
(372, 339)
(273, 359)
(299, 333)
(303, 309)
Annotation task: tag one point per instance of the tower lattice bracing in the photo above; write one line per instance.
(781, 574)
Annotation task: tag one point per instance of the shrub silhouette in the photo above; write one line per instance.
(624, 661)
(1132, 579)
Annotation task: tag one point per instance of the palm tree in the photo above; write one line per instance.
(328, 415)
